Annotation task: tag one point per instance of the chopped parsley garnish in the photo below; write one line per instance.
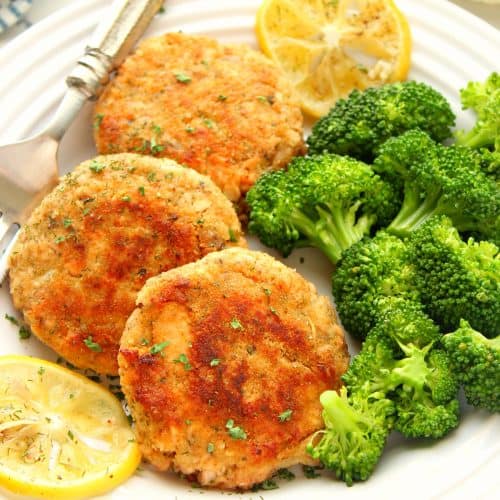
(285, 416)
(235, 432)
(232, 236)
(273, 310)
(221, 97)
(155, 349)
(67, 222)
(156, 129)
(215, 362)
(210, 447)
(10, 318)
(235, 324)
(151, 176)
(284, 474)
(154, 147)
(209, 123)
(268, 484)
(183, 359)
(93, 346)
(24, 332)
(98, 120)
(141, 190)
(96, 167)
(182, 78)
(189, 129)
(267, 291)
(59, 239)
(311, 472)
(144, 341)
(126, 198)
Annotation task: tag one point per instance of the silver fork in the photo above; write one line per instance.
(28, 169)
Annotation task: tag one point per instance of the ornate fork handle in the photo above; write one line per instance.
(108, 46)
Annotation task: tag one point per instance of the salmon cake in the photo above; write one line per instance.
(222, 364)
(225, 110)
(92, 243)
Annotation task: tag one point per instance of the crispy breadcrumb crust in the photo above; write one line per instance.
(96, 238)
(222, 364)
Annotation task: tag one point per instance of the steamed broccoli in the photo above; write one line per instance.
(456, 280)
(439, 180)
(357, 125)
(484, 99)
(356, 430)
(476, 362)
(369, 272)
(400, 380)
(324, 201)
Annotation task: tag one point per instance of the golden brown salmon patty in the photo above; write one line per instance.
(94, 240)
(224, 110)
(222, 364)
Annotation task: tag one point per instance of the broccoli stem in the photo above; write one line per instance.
(335, 231)
(475, 140)
(414, 212)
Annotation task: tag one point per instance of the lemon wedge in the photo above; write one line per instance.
(61, 435)
(329, 47)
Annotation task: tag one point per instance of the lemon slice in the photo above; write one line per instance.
(61, 435)
(327, 48)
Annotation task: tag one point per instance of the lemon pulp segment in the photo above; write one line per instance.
(61, 435)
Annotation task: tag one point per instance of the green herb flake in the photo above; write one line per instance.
(262, 98)
(189, 129)
(154, 147)
(232, 236)
(215, 362)
(67, 222)
(144, 341)
(24, 332)
(59, 239)
(93, 346)
(71, 435)
(182, 78)
(273, 310)
(141, 190)
(157, 348)
(96, 167)
(98, 120)
(235, 432)
(210, 447)
(209, 123)
(126, 198)
(221, 97)
(12, 319)
(156, 129)
(151, 176)
(183, 359)
(41, 371)
(267, 291)
(285, 474)
(285, 416)
(311, 472)
(235, 324)
(268, 484)
(188, 422)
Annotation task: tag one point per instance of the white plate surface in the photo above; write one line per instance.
(451, 47)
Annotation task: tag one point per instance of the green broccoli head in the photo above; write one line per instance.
(357, 125)
(370, 272)
(456, 279)
(476, 361)
(324, 201)
(356, 430)
(426, 393)
(440, 180)
(484, 99)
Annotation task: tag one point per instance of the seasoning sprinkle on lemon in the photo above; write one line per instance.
(62, 436)
(327, 48)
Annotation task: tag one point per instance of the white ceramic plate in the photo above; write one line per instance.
(451, 47)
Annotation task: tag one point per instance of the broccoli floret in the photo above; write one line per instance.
(357, 125)
(484, 99)
(440, 180)
(400, 380)
(356, 430)
(369, 272)
(324, 201)
(456, 279)
(476, 362)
